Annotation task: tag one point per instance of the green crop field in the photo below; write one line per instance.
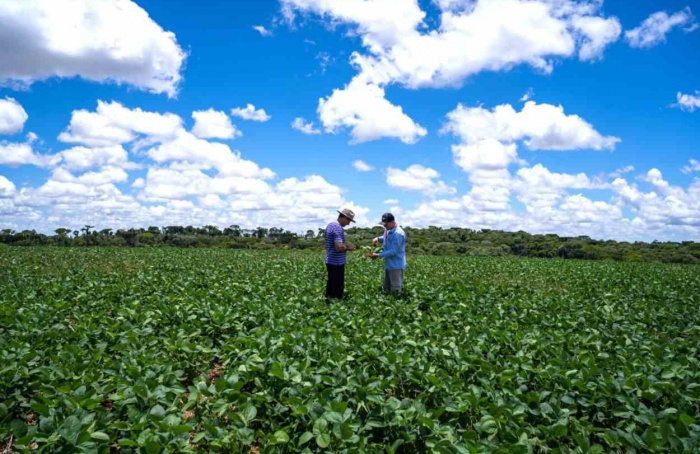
(212, 350)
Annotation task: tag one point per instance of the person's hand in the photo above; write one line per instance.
(375, 241)
(351, 247)
(372, 255)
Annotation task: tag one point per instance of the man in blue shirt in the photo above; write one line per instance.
(336, 254)
(394, 254)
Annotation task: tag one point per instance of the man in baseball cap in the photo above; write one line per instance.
(394, 254)
(336, 249)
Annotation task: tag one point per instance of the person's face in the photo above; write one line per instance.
(390, 225)
(343, 221)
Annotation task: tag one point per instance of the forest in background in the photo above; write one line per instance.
(430, 241)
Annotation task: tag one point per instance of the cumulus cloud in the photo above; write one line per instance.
(653, 30)
(596, 34)
(665, 206)
(362, 166)
(186, 148)
(305, 127)
(213, 124)
(418, 178)
(188, 179)
(17, 154)
(532, 198)
(113, 124)
(249, 112)
(688, 102)
(364, 109)
(82, 158)
(7, 188)
(540, 126)
(401, 48)
(102, 41)
(12, 116)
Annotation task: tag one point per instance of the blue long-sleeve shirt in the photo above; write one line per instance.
(394, 253)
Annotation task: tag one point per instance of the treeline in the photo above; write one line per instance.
(431, 240)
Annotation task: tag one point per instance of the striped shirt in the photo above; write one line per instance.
(335, 234)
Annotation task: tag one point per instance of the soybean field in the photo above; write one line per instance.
(216, 350)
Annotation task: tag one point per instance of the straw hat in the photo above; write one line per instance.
(348, 214)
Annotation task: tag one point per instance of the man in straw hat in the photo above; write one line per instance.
(336, 249)
(394, 254)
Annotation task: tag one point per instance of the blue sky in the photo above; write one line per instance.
(549, 116)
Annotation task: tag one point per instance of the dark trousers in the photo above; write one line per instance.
(336, 281)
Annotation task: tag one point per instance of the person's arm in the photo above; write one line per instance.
(394, 248)
(340, 246)
(378, 240)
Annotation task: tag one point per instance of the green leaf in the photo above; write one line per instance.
(280, 437)
(99, 436)
(199, 437)
(666, 412)
(306, 436)
(158, 412)
(346, 431)
(333, 416)
(687, 420)
(249, 414)
(3, 411)
(153, 447)
(277, 371)
(323, 440)
(70, 430)
(427, 422)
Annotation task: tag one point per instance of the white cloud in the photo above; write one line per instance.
(653, 30)
(693, 166)
(401, 48)
(114, 124)
(324, 59)
(213, 124)
(173, 184)
(391, 201)
(249, 112)
(688, 102)
(189, 180)
(104, 176)
(418, 178)
(12, 116)
(17, 154)
(7, 188)
(103, 41)
(541, 126)
(305, 127)
(186, 148)
(597, 33)
(528, 95)
(621, 171)
(485, 155)
(665, 207)
(391, 30)
(362, 166)
(83, 158)
(262, 30)
(363, 108)
(539, 189)
(552, 201)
